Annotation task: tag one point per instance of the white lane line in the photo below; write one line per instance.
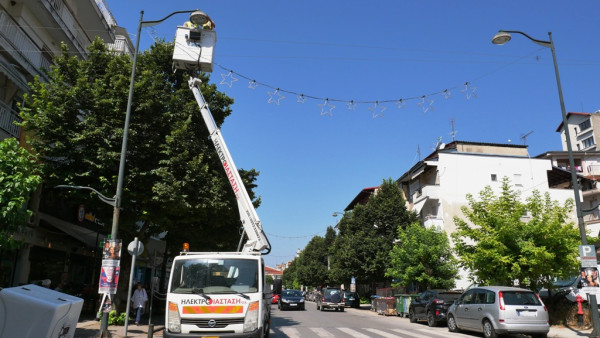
(383, 333)
(353, 333)
(290, 332)
(321, 332)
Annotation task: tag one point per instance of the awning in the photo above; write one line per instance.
(82, 234)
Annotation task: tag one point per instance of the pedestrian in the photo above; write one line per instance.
(138, 301)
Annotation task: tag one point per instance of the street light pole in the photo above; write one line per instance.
(502, 37)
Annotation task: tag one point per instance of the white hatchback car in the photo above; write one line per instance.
(496, 310)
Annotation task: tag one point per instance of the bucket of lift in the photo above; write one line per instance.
(194, 48)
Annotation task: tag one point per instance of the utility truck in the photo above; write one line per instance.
(217, 294)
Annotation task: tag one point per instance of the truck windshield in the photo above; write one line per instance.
(208, 276)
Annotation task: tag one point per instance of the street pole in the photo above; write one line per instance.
(117, 209)
(502, 37)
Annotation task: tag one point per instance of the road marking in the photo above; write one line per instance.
(290, 332)
(353, 333)
(416, 335)
(444, 334)
(383, 333)
(321, 332)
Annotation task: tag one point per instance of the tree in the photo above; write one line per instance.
(507, 240)
(366, 236)
(422, 256)
(174, 179)
(18, 179)
(312, 268)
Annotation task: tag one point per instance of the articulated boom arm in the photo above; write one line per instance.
(257, 240)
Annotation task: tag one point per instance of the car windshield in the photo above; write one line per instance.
(520, 298)
(291, 293)
(564, 282)
(206, 276)
(448, 297)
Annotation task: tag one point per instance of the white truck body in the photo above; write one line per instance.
(218, 295)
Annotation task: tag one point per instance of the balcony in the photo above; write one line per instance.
(431, 191)
(7, 119)
(15, 42)
(431, 221)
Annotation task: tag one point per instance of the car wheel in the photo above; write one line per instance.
(342, 309)
(488, 329)
(452, 327)
(318, 308)
(431, 321)
(411, 316)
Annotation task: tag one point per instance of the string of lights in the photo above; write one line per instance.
(377, 107)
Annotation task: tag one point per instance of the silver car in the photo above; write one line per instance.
(496, 310)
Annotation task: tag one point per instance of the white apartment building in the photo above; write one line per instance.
(437, 186)
(31, 33)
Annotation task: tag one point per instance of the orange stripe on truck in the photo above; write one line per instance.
(197, 310)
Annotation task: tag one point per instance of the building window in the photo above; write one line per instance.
(517, 179)
(588, 142)
(585, 125)
(494, 178)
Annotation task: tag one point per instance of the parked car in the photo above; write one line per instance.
(330, 298)
(291, 299)
(496, 310)
(432, 306)
(275, 299)
(351, 299)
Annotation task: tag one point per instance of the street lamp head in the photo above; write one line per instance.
(501, 38)
(199, 18)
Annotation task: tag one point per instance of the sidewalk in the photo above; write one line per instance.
(89, 327)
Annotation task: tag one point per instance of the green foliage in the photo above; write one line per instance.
(174, 179)
(18, 179)
(508, 240)
(366, 235)
(116, 319)
(312, 264)
(422, 256)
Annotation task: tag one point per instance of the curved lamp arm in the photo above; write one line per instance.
(107, 200)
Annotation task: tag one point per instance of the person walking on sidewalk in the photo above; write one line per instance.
(138, 301)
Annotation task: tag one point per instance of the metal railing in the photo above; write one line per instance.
(7, 119)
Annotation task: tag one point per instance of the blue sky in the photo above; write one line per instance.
(314, 158)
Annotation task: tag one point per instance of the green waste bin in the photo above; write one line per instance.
(403, 303)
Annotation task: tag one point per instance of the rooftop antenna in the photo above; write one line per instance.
(453, 133)
(419, 152)
(524, 137)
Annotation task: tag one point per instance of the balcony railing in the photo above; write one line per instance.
(69, 25)
(21, 46)
(7, 119)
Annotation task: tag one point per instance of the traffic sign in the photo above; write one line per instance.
(138, 251)
(587, 253)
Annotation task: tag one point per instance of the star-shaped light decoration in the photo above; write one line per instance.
(469, 91)
(326, 108)
(375, 107)
(425, 105)
(446, 94)
(351, 105)
(228, 79)
(275, 97)
(252, 84)
(400, 103)
(301, 98)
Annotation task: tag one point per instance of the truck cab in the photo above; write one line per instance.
(217, 294)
